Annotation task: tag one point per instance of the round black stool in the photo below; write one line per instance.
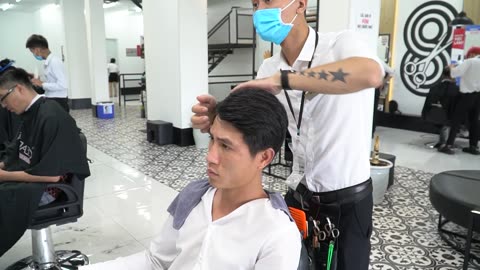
(456, 196)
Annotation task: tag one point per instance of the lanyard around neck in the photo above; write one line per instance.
(302, 102)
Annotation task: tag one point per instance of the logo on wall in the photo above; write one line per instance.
(427, 37)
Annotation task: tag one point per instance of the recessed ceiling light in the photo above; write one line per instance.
(6, 6)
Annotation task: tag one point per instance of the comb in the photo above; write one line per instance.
(300, 219)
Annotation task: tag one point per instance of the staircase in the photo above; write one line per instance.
(138, 3)
(216, 53)
(233, 31)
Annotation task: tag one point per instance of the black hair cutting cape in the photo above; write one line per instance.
(47, 144)
(9, 123)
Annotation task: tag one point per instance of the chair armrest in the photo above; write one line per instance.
(72, 197)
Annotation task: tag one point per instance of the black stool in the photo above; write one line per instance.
(159, 132)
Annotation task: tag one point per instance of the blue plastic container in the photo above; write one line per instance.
(105, 110)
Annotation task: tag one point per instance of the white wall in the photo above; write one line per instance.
(18, 26)
(404, 88)
(240, 62)
(126, 27)
(48, 22)
(15, 29)
(217, 9)
(334, 15)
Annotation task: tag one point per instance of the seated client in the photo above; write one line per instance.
(47, 148)
(229, 221)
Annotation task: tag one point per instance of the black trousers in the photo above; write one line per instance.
(63, 102)
(467, 107)
(18, 202)
(355, 225)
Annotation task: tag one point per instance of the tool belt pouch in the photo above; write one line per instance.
(320, 212)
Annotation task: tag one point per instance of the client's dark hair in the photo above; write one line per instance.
(258, 115)
(13, 76)
(36, 41)
(112, 60)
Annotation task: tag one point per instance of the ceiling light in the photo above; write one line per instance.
(18, 1)
(6, 6)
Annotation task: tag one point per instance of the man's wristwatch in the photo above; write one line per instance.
(284, 79)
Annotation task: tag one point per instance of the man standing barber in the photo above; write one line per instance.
(468, 102)
(56, 82)
(330, 120)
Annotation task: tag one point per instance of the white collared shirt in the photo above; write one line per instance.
(254, 236)
(56, 83)
(336, 130)
(33, 101)
(469, 73)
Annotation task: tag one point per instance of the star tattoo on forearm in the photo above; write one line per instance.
(325, 75)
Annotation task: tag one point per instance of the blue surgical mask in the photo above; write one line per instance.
(39, 58)
(269, 25)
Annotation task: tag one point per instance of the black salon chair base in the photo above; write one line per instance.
(46, 258)
(66, 209)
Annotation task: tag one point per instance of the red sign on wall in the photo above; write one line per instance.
(458, 38)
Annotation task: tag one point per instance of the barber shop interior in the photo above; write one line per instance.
(239, 134)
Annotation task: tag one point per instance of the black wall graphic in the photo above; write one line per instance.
(427, 37)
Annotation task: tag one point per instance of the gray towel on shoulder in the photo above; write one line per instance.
(192, 194)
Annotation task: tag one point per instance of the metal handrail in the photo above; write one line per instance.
(233, 75)
(229, 46)
(220, 24)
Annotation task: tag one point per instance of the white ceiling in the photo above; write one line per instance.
(29, 6)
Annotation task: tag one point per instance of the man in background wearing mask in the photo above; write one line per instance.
(56, 82)
(330, 120)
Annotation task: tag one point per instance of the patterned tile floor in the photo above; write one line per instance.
(404, 235)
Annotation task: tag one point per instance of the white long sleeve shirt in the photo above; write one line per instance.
(55, 83)
(469, 72)
(255, 236)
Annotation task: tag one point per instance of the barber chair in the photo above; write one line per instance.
(65, 209)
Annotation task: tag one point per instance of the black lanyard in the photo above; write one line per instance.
(302, 102)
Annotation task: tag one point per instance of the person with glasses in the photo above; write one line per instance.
(9, 122)
(46, 148)
(55, 83)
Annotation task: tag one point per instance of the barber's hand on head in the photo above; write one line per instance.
(203, 112)
(36, 82)
(271, 84)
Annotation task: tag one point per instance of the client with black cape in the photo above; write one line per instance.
(47, 148)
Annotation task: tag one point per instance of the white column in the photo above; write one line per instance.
(176, 58)
(76, 52)
(97, 55)
(357, 15)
